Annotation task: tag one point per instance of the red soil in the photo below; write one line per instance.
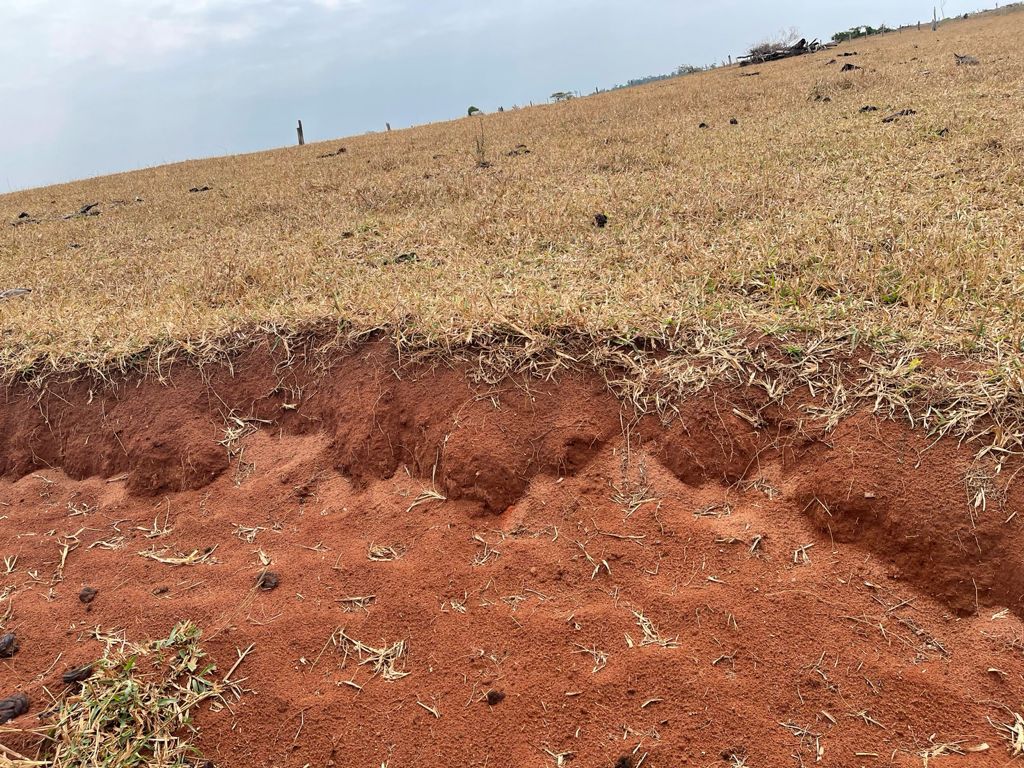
(879, 641)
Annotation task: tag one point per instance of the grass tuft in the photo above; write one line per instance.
(135, 711)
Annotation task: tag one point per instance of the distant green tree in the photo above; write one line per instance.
(680, 71)
(473, 111)
(864, 30)
(562, 95)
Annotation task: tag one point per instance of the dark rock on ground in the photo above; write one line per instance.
(13, 706)
(268, 580)
(8, 645)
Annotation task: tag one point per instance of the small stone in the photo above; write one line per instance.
(601, 220)
(77, 674)
(88, 594)
(8, 645)
(897, 115)
(13, 706)
(494, 697)
(268, 580)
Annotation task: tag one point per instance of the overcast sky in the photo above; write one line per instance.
(89, 87)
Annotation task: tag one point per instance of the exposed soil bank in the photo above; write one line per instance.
(845, 584)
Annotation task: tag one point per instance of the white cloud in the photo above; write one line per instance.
(58, 35)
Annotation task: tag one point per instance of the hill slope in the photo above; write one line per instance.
(808, 215)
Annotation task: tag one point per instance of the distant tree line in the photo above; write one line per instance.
(864, 30)
(685, 69)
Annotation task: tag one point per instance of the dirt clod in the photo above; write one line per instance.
(849, 67)
(336, 153)
(13, 706)
(87, 595)
(199, 189)
(8, 645)
(897, 115)
(89, 209)
(268, 580)
(494, 698)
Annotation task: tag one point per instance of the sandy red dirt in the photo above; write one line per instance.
(831, 598)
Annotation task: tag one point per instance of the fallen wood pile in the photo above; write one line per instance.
(763, 53)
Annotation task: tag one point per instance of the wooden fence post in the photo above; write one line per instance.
(302, 140)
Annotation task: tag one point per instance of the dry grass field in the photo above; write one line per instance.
(810, 224)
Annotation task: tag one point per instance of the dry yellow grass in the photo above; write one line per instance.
(810, 224)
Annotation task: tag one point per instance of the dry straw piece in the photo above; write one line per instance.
(195, 557)
(384, 661)
(379, 553)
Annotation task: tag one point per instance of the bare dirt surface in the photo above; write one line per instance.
(569, 584)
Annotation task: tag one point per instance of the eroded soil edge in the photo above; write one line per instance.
(533, 524)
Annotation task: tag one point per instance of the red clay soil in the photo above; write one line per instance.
(832, 599)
